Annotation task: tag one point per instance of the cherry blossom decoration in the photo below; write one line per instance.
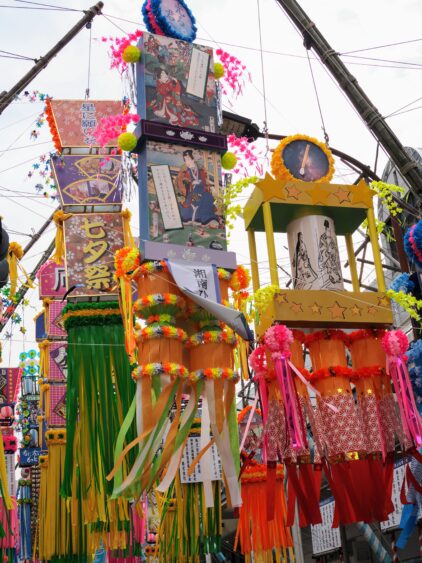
(110, 127)
(118, 45)
(235, 73)
(247, 156)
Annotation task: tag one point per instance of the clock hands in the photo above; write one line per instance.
(304, 160)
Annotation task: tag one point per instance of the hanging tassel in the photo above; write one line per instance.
(127, 232)
(15, 253)
(59, 218)
(278, 339)
(395, 344)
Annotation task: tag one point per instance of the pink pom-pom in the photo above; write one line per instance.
(395, 343)
(278, 339)
(258, 361)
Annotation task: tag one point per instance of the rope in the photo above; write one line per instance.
(327, 140)
(89, 26)
(265, 131)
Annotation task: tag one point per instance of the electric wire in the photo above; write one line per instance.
(327, 140)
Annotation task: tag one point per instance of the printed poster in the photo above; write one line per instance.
(185, 199)
(176, 83)
(324, 537)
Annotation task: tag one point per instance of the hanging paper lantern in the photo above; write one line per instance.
(413, 243)
(127, 141)
(219, 71)
(131, 54)
(228, 160)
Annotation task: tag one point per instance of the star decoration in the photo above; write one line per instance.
(342, 195)
(372, 310)
(356, 311)
(337, 312)
(316, 309)
(271, 188)
(293, 191)
(296, 308)
(281, 298)
(319, 194)
(383, 301)
(362, 194)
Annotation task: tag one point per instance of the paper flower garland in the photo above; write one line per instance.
(109, 128)
(121, 45)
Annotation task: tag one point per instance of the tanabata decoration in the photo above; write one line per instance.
(415, 371)
(279, 371)
(9, 530)
(24, 516)
(163, 375)
(172, 18)
(412, 500)
(260, 538)
(99, 395)
(258, 535)
(190, 525)
(413, 243)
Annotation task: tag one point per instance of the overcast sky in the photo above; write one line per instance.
(290, 104)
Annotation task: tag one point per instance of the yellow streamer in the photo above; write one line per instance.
(127, 233)
(59, 218)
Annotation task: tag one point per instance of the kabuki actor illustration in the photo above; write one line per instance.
(177, 86)
(185, 196)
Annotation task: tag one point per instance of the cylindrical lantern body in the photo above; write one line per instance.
(314, 254)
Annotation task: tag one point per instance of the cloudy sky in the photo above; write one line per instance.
(290, 103)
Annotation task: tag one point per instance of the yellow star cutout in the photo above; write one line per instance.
(293, 192)
(383, 301)
(337, 312)
(316, 309)
(372, 310)
(281, 298)
(271, 188)
(296, 308)
(342, 195)
(362, 194)
(319, 194)
(356, 311)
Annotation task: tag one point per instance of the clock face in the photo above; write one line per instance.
(305, 160)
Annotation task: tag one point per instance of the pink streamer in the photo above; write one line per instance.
(291, 405)
(11, 540)
(411, 420)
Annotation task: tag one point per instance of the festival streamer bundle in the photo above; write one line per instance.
(99, 392)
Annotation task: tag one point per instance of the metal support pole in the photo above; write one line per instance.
(352, 262)
(6, 98)
(313, 38)
(254, 260)
(373, 235)
(269, 233)
(343, 539)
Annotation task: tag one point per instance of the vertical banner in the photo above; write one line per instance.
(91, 239)
(51, 280)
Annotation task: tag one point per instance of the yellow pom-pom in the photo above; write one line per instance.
(219, 71)
(131, 54)
(127, 141)
(228, 160)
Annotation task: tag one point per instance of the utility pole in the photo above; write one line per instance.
(313, 38)
(6, 98)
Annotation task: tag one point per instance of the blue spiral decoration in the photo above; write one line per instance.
(169, 26)
(415, 232)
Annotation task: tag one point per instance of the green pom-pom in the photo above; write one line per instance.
(127, 141)
(228, 161)
(131, 54)
(219, 71)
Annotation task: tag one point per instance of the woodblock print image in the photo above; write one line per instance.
(314, 253)
(328, 257)
(196, 183)
(179, 83)
(304, 274)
